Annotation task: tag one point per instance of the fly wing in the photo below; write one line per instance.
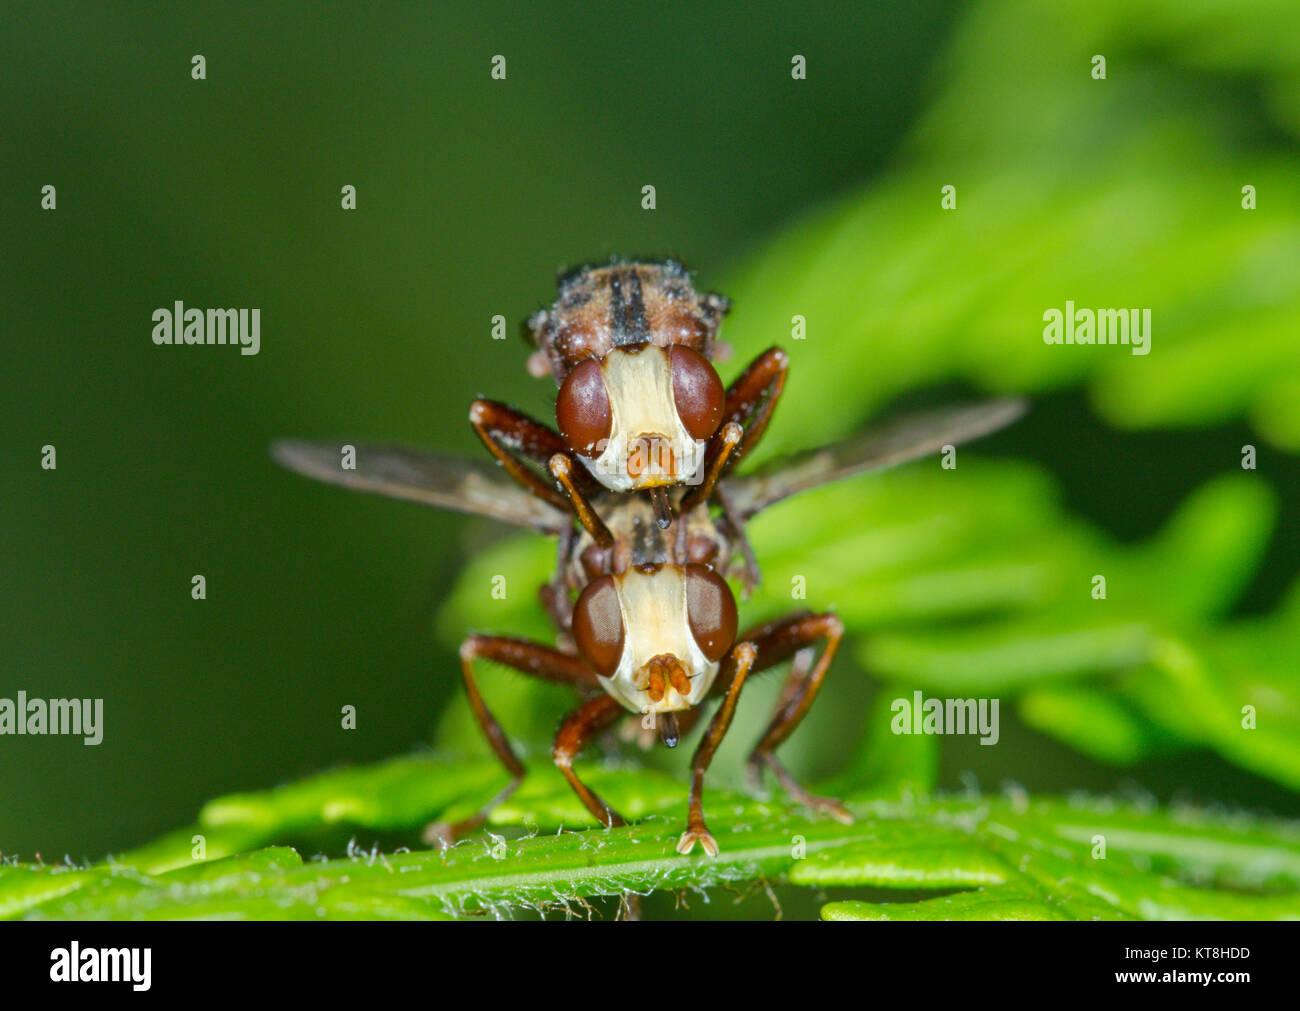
(444, 482)
(875, 449)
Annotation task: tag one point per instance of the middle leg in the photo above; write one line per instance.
(577, 731)
(751, 399)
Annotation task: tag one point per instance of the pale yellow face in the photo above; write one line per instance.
(662, 668)
(648, 445)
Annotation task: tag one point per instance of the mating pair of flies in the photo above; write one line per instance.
(638, 486)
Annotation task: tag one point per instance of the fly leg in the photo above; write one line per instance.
(527, 658)
(514, 438)
(575, 733)
(562, 469)
(795, 636)
(730, 436)
(738, 664)
(554, 593)
(750, 575)
(751, 399)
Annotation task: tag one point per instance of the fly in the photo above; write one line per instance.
(640, 406)
(646, 625)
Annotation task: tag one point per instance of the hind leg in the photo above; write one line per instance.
(795, 636)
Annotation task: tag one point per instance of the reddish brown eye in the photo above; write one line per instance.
(697, 391)
(598, 625)
(582, 410)
(710, 610)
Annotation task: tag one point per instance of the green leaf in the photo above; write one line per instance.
(996, 857)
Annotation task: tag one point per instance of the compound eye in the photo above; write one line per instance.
(582, 409)
(697, 391)
(710, 611)
(598, 626)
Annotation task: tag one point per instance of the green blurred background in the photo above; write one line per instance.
(471, 193)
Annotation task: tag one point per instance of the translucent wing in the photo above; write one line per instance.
(875, 449)
(444, 482)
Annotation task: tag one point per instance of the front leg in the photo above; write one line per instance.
(795, 636)
(561, 468)
(527, 658)
(739, 662)
(515, 438)
(730, 436)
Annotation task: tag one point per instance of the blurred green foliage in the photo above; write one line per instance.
(1123, 192)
